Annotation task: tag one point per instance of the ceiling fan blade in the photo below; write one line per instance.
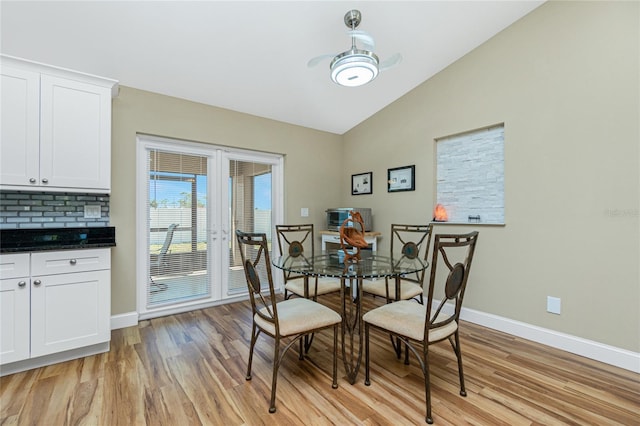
(315, 61)
(364, 37)
(390, 62)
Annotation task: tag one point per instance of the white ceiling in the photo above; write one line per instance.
(252, 56)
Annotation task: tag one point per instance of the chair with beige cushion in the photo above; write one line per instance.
(298, 240)
(285, 321)
(411, 241)
(423, 325)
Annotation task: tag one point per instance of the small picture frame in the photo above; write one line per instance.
(362, 183)
(401, 179)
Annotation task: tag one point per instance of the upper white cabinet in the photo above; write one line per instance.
(55, 128)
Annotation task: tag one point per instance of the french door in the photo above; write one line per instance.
(192, 198)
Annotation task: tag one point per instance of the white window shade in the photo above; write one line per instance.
(177, 228)
(250, 195)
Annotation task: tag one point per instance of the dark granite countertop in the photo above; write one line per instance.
(39, 239)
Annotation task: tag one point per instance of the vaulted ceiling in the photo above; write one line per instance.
(252, 57)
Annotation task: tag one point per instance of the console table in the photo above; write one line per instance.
(334, 237)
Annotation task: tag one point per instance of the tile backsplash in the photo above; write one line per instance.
(25, 209)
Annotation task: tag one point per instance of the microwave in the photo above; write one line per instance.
(336, 216)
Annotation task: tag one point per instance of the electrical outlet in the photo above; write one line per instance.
(92, 212)
(554, 305)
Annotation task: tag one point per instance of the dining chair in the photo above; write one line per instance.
(286, 321)
(295, 241)
(406, 240)
(416, 324)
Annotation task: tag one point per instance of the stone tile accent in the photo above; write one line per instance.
(23, 209)
(470, 176)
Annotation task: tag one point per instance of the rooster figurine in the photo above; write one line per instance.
(351, 236)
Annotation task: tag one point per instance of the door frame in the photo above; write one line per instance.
(218, 260)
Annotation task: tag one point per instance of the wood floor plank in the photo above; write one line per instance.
(189, 369)
(14, 392)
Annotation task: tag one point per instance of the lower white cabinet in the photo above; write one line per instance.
(62, 303)
(15, 316)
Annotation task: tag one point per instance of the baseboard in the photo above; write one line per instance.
(128, 319)
(31, 363)
(587, 348)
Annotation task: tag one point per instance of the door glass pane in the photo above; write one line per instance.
(250, 195)
(177, 228)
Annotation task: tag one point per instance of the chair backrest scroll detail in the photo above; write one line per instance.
(255, 258)
(445, 247)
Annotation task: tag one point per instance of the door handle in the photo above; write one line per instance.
(37, 282)
(22, 283)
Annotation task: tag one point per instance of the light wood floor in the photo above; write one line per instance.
(189, 369)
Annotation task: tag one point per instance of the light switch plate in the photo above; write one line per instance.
(304, 212)
(92, 212)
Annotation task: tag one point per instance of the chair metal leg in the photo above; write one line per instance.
(302, 346)
(427, 383)
(334, 385)
(456, 349)
(308, 339)
(274, 378)
(367, 382)
(396, 344)
(254, 337)
(397, 348)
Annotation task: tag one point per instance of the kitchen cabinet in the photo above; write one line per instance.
(56, 128)
(64, 299)
(14, 307)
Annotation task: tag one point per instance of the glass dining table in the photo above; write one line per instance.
(372, 265)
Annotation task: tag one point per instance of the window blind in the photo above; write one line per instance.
(177, 228)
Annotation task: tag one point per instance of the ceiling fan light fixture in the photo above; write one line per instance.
(354, 67)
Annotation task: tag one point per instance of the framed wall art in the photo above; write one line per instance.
(362, 183)
(401, 179)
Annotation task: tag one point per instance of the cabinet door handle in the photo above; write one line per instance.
(45, 180)
(73, 261)
(37, 282)
(22, 283)
(32, 180)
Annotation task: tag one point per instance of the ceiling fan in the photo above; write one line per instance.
(355, 67)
